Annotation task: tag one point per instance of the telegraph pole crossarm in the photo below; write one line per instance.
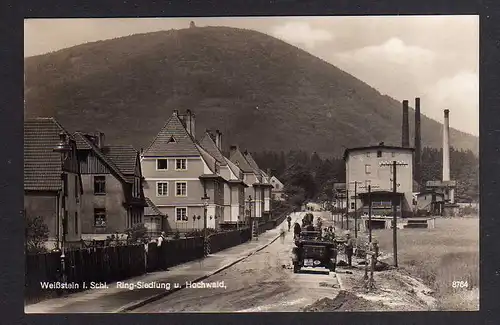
(394, 164)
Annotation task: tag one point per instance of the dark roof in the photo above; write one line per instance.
(107, 161)
(346, 151)
(240, 161)
(81, 141)
(389, 193)
(151, 209)
(430, 192)
(42, 166)
(183, 144)
(209, 145)
(124, 157)
(235, 169)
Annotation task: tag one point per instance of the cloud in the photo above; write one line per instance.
(460, 94)
(301, 33)
(394, 51)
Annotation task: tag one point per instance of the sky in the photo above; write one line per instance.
(435, 58)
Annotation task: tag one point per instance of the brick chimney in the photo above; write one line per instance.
(405, 134)
(190, 122)
(446, 146)
(232, 149)
(418, 142)
(98, 139)
(218, 139)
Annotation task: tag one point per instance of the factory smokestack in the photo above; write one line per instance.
(405, 134)
(418, 142)
(446, 146)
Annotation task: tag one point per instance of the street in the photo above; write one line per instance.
(262, 282)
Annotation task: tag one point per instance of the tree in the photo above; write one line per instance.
(138, 234)
(36, 234)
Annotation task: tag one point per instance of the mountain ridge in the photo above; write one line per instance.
(261, 92)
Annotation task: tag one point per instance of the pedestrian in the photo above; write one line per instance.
(349, 248)
(296, 230)
(161, 239)
(289, 220)
(282, 235)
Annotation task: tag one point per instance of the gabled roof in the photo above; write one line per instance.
(107, 161)
(81, 143)
(258, 172)
(161, 145)
(124, 157)
(209, 145)
(151, 209)
(276, 180)
(42, 166)
(235, 169)
(209, 160)
(239, 160)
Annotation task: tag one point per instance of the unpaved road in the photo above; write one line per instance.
(259, 283)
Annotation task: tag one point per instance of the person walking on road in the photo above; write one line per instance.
(296, 230)
(349, 249)
(289, 220)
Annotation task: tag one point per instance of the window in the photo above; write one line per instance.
(181, 164)
(65, 222)
(161, 164)
(100, 217)
(277, 186)
(352, 205)
(76, 186)
(76, 223)
(65, 184)
(99, 185)
(162, 189)
(368, 169)
(136, 217)
(393, 154)
(181, 215)
(379, 153)
(180, 188)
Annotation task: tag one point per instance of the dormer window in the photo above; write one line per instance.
(379, 153)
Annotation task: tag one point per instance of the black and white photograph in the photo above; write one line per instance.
(251, 164)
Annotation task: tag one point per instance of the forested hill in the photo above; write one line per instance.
(262, 93)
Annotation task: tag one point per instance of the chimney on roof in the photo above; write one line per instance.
(233, 148)
(189, 122)
(405, 134)
(175, 112)
(269, 172)
(218, 139)
(446, 146)
(418, 142)
(99, 139)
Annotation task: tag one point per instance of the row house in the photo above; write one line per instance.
(52, 182)
(181, 178)
(258, 182)
(113, 200)
(234, 186)
(277, 192)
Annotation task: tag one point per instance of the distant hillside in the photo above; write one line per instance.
(262, 93)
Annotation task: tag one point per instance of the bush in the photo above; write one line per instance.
(138, 234)
(36, 235)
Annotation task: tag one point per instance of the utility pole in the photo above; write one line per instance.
(370, 210)
(355, 207)
(346, 207)
(394, 164)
